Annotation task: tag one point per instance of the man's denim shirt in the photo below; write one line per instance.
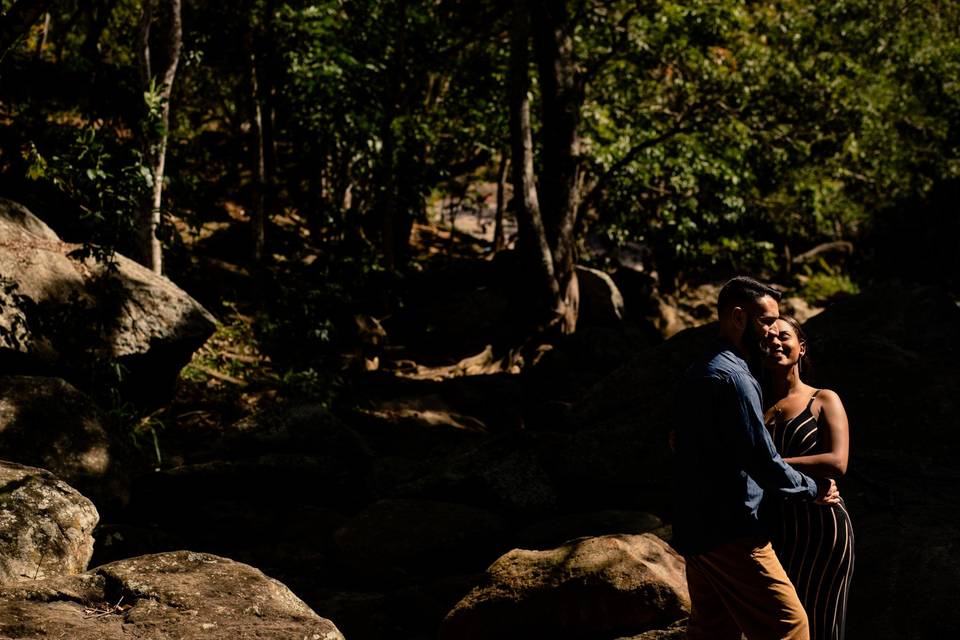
(725, 459)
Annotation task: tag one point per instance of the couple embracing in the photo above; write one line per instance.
(759, 520)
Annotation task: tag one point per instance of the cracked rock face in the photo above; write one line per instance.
(179, 594)
(46, 526)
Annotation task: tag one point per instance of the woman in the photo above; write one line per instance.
(809, 429)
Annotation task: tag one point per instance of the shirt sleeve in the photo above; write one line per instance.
(753, 444)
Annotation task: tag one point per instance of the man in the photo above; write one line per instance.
(725, 462)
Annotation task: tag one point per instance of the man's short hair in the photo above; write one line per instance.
(741, 291)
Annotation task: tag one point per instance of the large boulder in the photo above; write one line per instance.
(67, 315)
(179, 594)
(588, 588)
(600, 300)
(556, 531)
(46, 422)
(45, 525)
(14, 213)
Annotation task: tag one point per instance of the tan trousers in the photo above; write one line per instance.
(741, 586)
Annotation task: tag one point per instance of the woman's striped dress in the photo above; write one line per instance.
(814, 542)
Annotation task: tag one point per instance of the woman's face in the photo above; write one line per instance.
(785, 348)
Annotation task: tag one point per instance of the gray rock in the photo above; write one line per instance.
(168, 595)
(66, 316)
(554, 532)
(47, 423)
(600, 300)
(45, 525)
(16, 214)
(588, 588)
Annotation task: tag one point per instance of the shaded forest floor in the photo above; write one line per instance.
(437, 376)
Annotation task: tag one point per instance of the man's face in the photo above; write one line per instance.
(761, 326)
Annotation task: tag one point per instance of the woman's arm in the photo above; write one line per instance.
(834, 434)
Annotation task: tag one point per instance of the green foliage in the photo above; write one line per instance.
(786, 123)
(105, 181)
(825, 286)
(309, 316)
(317, 386)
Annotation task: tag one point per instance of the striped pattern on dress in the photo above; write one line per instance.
(814, 542)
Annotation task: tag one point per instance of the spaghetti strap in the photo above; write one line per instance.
(813, 397)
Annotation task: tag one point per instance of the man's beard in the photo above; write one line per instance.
(755, 344)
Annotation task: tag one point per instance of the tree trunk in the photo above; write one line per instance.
(258, 215)
(17, 21)
(42, 41)
(532, 241)
(561, 92)
(155, 138)
(502, 173)
(547, 237)
(267, 69)
(391, 229)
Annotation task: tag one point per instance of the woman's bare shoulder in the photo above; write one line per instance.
(830, 402)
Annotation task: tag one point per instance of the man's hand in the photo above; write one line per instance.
(829, 494)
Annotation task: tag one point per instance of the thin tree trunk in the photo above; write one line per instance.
(156, 141)
(268, 71)
(561, 91)
(42, 41)
(502, 174)
(532, 243)
(260, 172)
(388, 209)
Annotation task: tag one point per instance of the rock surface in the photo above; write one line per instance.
(14, 213)
(554, 532)
(47, 423)
(45, 525)
(179, 594)
(591, 587)
(67, 316)
(600, 300)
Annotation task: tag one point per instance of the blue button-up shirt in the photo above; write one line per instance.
(725, 460)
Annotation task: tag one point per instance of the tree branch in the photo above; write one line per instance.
(627, 158)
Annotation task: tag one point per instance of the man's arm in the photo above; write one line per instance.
(760, 458)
